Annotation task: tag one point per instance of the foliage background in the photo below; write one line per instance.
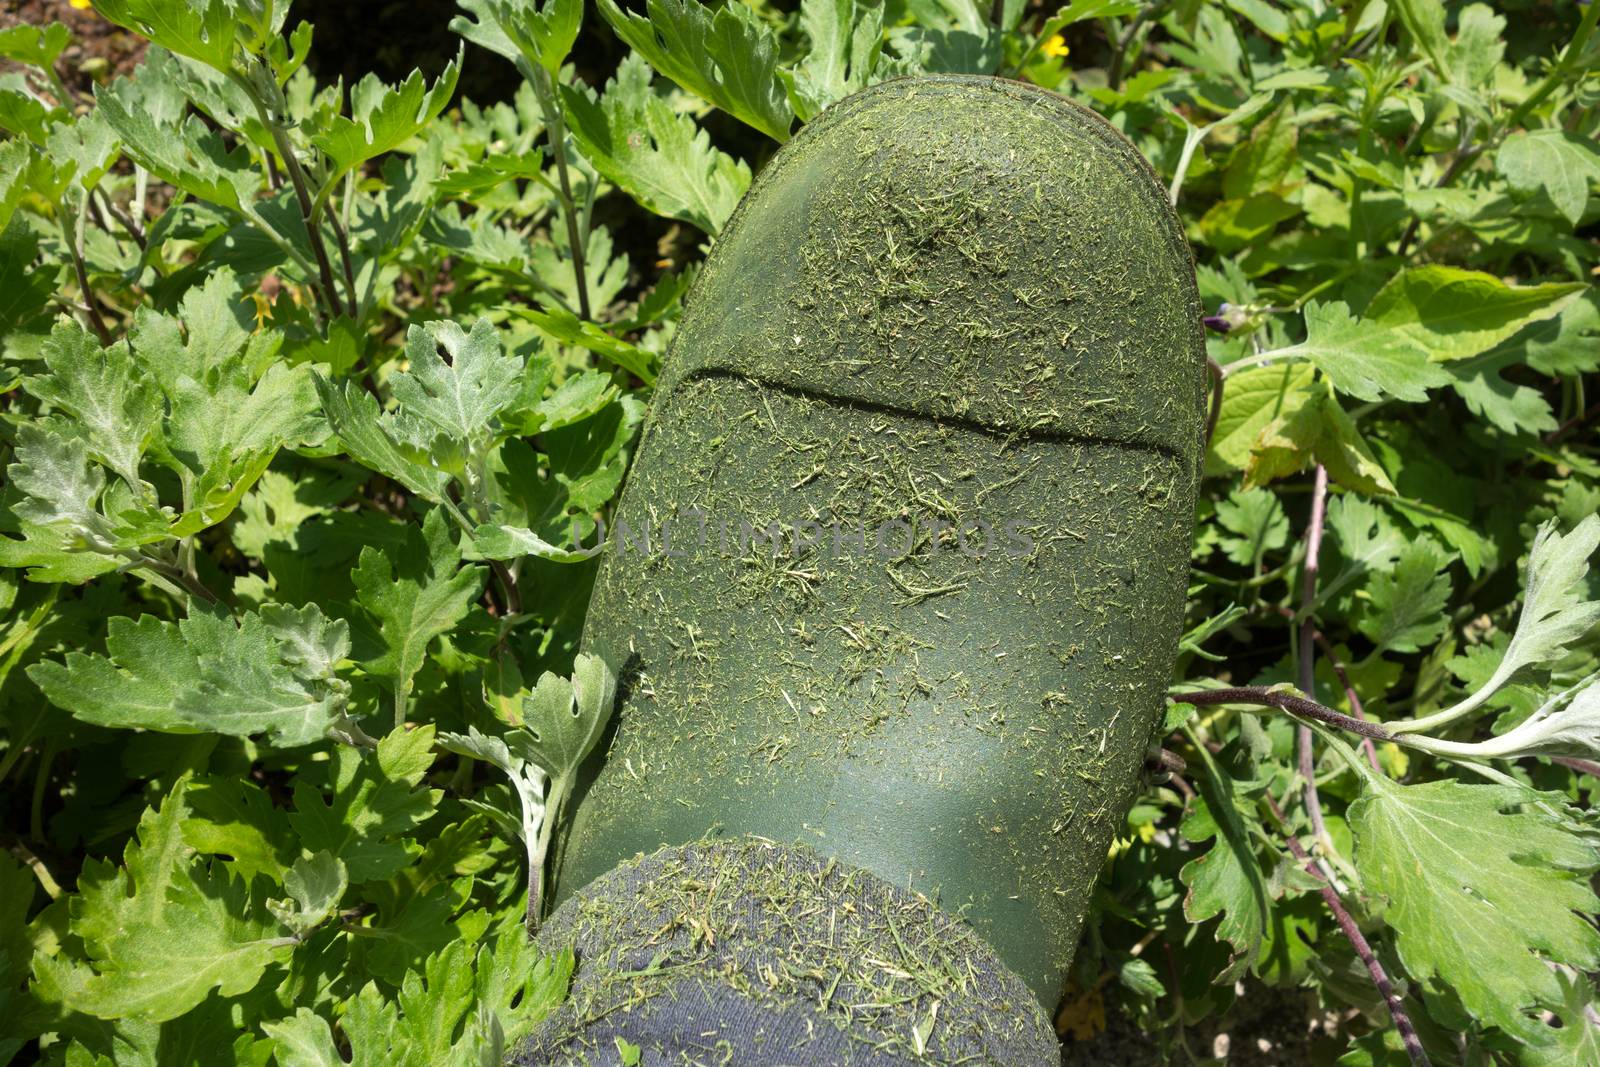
(1392, 211)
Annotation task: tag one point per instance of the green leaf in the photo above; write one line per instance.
(1231, 225)
(1476, 53)
(16, 900)
(587, 459)
(514, 542)
(568, 329)
(513, 754)
(304, 1040)
(383, 118)
(483, 28)
(605, 272)
(187, 155)
(423, 924)
(1556, 609)
(24, 290)
(199, 29)
(952, 37)
(846, 39)
(579, 397)
(1365, 359)
(74, 526)
(1452, 313)
(565, 718)
(163, 931)
(1560, 164)
(370, 820)
(462, 397)
(1485, 887)
(1264, 163)
(38, 46)
(212, 332)
(635, 140)
(728, 58)
(1513, 407)
(1578, 1039)
(29, 119)
(1227, 880)
(454, 1009)
(549, 33)
(238, 677)
(89, 144)
(373, 439)
(113, 410)
(1566, 724)
(237, 820)
(1253, 398)
(315, 885)
(1568, 344)
(541, 33)
(1257, 520)
(415, 596)
(60, 487)
(1406, 606)
(1424, 21)
(1368, 541)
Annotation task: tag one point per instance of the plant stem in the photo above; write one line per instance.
(1571, 424)
(1119, 48)
(1264, 697)
(343, 240)
(1251, 361)
(46, 881)
(1214, 369)
(41, 779)
(127, 222)
(1358, 941)
(174, 573)
(302, 192)
(69, 234)
(1306, 654)
(1582, 766)
(556, 130)
(1465, 154)
(1558, 73)
(1192, 136)
(1349, 694)
(302, 188)
(554, 802)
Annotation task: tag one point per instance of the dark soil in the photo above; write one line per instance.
(99, 49)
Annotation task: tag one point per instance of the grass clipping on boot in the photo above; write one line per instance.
(745, 951)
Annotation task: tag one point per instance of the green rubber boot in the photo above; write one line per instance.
(899, 570)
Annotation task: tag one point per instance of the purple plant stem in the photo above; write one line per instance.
(1306, 646)
(1358, 941)
(1263, 697)
(1349, 694)
(1582, 766)
(1214, 369)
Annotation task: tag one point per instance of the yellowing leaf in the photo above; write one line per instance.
(1253, 398)
(1318, 431)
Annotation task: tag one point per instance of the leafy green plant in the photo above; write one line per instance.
(312, 396)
